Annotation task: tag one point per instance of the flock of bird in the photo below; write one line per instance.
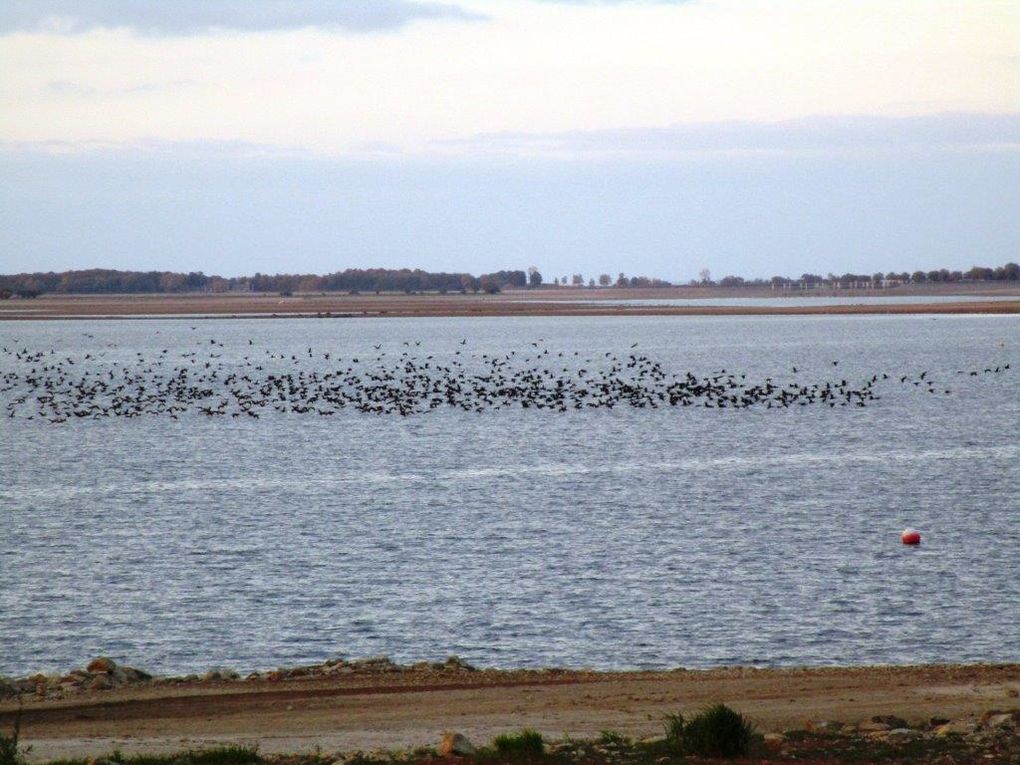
(111, 383)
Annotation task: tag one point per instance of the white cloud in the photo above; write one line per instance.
(820, 135)
(564, 71)
(185, 17)
(71, 88)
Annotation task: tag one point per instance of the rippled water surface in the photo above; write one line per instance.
(618, 537)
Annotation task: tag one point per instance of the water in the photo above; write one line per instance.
(798, 301)
(606, 538)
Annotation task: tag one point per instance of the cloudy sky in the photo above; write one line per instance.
(751, 137)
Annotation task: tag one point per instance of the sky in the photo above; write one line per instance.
(655, 137)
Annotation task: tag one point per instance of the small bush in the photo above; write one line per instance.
(525, 745)
(225, 755)
(674, 730)
(222, 755)
(612, 738)
(716, 732)
(11, 753)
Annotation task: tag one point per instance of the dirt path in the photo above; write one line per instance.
(399, 710)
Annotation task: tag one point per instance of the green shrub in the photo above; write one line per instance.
(225, 755)
(674, 731)
(10, 752)
(221, 755)
(612, 738)
(524, 745)
(716, 732)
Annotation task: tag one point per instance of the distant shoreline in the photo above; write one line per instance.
(563, 302)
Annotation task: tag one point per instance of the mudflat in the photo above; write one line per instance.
(563, 302)
(368, 710)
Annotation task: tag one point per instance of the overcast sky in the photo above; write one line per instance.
(752, 137)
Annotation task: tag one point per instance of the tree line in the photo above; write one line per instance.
(353, 280)
(878, 280)
(377, 280)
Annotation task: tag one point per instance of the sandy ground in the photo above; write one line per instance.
(398, 710)
(579, 302)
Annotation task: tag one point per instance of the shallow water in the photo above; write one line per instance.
(608, 538)
(800, 300)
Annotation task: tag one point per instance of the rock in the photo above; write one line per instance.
(132, 675)
(873, 726)
(891, 720)
(101, 664)
(937, 721)
(997, 719)
(377, 664)
(456, 663)
(101, 682)
(956, 728)
(216, 675)
(455, 743)
(774, 738)
(904, 734)
(825, 726)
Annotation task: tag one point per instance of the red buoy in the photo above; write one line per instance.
(910, 537)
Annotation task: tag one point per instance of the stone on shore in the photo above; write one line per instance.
(873, 726)
(891, 720)
(994, 718)
(904, 734)
(101, 682)
(455, 744)
(101, 664)
(956, 728)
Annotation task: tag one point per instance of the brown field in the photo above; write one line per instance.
(562, 302)
(403, 709)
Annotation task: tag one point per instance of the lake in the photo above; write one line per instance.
(615, 537)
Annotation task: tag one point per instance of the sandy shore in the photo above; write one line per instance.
(523, 303)
(390, 710)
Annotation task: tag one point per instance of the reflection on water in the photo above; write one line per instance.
(611, 538)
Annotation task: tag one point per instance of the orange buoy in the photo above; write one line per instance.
(910, 537)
